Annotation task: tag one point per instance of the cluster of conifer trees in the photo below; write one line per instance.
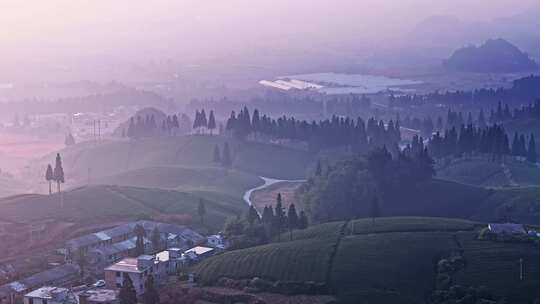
(148, 126)
(524, 89)
(276, 220)
(201, 123)
(330, 133)
(490, 140)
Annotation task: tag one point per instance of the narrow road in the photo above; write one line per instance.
(267, 183)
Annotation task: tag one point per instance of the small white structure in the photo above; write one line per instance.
(50, 295)
(507, 229)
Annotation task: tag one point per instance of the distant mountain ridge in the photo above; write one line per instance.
(494, 56)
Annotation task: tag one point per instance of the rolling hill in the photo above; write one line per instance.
(389, 260)
(494, 56)
(98, 204)
(93, 160)
(208, 179)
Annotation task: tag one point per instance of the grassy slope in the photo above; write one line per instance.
(100, 203)
(482, 172)
(394, 265)
(208, 179)
(115, 157)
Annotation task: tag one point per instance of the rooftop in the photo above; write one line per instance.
(128, 228)
(199, 250)
(125, 265)
(48, 292)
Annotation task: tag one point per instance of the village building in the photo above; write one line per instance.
(50, 295)
(138, 270)
(62, 275)
(121, 236)
(197, 253)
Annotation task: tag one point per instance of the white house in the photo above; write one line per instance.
(138, 270)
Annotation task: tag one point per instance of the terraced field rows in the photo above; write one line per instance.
(497, 265)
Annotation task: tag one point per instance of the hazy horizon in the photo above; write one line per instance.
(198, 29)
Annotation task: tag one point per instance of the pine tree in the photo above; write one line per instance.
(70, 140)
(302, 220)
(139, 243)
(226, 160)
(375, 210)
(217, 155)
(58, 173)
(279, 216)
(204, 121)
(531, 152)
(211, 122)
(292, 217)
(49, 177)
(151, 295)
(252, 216)
(201, 210)
(515, 145)
(155, 238)
(127, 294)
(318, 169)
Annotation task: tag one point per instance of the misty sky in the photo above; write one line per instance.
(155, 27)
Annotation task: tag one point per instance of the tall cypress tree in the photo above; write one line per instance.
(58, 172)
(49, 177)
(217, 155)
(201, 210)
(531, 152)
(127, 294)
(151, 295)
(139, 243)
(211, 122)
(226, 157)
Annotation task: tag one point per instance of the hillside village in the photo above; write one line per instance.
(138, 250)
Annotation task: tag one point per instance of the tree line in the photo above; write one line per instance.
(523, 90)
(256, 229)
(149, 126)
(489, 140)
(329, 133)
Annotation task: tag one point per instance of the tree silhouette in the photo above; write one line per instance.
(252, 216)
(155, 238)
(127, 294)
(58, 173)
(302, 220)
(49, 177)
(531, 153)
(81, 261)
(217, 155)
(226, 158)
(201, 210)
(375, 210)
(151, 295)
(70, 140)
(211, 122)
(139, 243)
